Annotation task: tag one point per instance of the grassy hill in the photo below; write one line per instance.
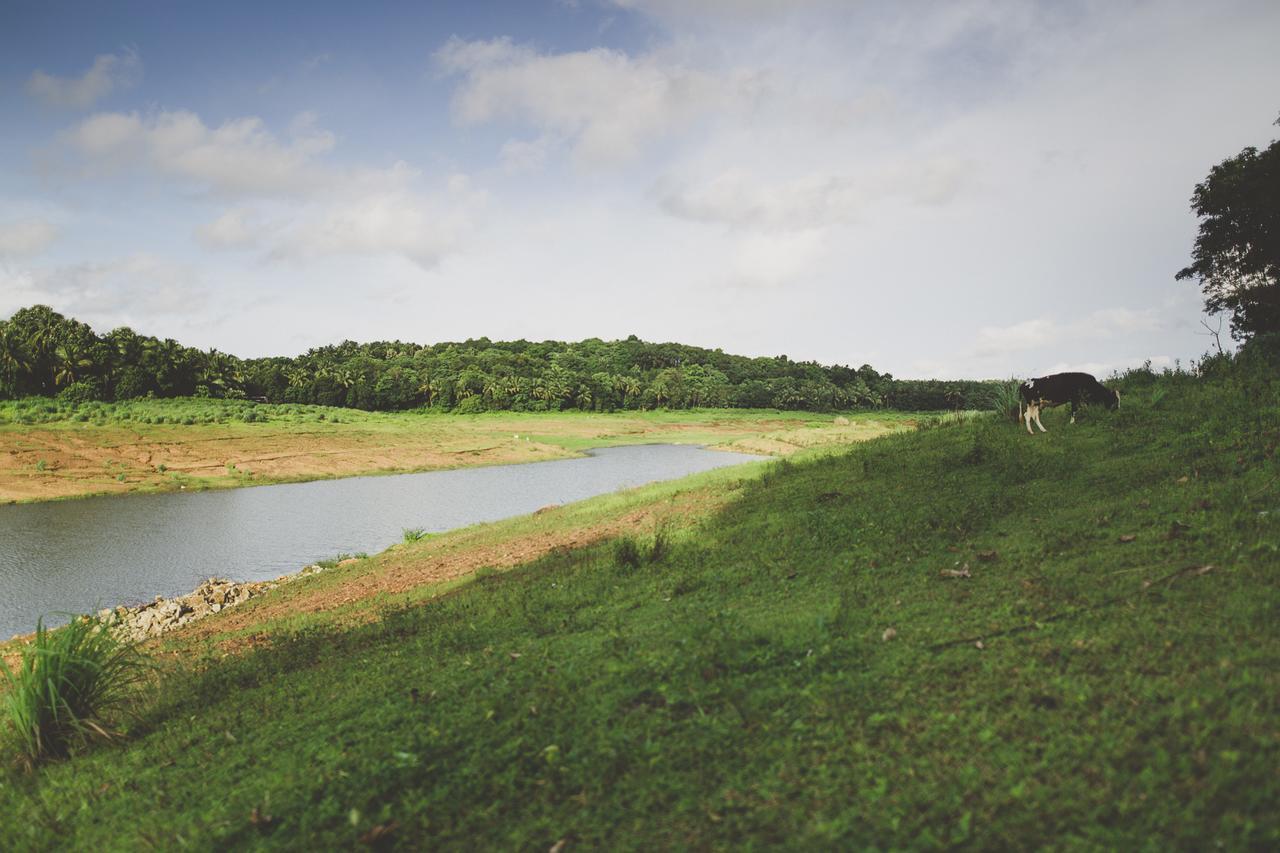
(963, 636)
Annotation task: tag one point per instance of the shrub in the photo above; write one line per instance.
(627, 553)
(1005, 400)
(471, 406)
(69, 685)
(82, 391)
(413, 534)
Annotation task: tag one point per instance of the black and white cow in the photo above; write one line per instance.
(1060, 388)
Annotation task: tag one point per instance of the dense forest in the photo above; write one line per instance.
(43, 353)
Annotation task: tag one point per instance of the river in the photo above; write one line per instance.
(77, 556)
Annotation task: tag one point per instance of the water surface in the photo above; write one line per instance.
(80, 555)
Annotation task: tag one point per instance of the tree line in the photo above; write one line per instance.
(46, 354)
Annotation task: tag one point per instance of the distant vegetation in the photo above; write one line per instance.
(43, 353)
(186, 411)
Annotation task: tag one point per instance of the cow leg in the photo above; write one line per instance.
(1026, 418)
(1073, 411)
(1042, 429)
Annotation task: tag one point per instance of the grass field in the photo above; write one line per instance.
(958, 637)
(57, 449)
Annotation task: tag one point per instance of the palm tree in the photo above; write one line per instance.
(14, 362)
(297, 377)
(493, 387)
(69, 360)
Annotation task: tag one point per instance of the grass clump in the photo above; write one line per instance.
(626, 552)
(415, 534)
(332, 562)
(630, 553)
(69, 686)
(1005, 401)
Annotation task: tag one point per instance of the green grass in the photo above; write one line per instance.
(1107, 676)
(189, 411)
(186, 411)
(66, 690)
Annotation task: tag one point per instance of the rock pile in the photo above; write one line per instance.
(213, 596)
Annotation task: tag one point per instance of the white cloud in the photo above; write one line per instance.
(108, 72)
(525, 155)
(774, 260)
(239, 157)
(1001, 340)
(1106, 323)
(234, 229)
(728, 9)
(141, 284)
(26, 236)
(608, 104)
(737, 198)
(1103, 369)
(316, 208)
(420, 226)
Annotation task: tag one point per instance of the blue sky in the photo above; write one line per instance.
(962, 189)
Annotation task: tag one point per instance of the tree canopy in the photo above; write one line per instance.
(44, 353)
(1236, 256)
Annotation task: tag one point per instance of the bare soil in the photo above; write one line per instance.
(61, 461)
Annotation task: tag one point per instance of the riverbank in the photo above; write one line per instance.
(355, 590)
(54, 450)
(78, 556)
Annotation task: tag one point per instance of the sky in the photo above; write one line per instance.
(974, 188)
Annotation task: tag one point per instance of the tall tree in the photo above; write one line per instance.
(1237, 252)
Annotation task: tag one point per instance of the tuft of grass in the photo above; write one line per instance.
(415, 534)
(661, 545)
(1004, 399)
(626, 552)
(629, 553)
(339, 558)
(69, 686)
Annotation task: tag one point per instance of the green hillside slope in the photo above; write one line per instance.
(964, 636)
